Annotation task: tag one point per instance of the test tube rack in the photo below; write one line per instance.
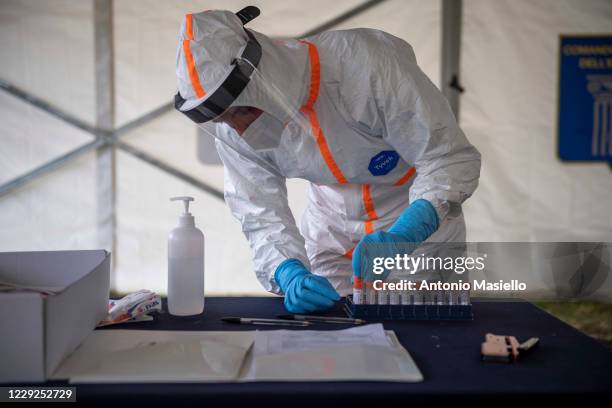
(408, 311)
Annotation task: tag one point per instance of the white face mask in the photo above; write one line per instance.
(264, 133)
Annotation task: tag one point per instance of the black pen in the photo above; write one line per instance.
(267, 322)
(321, 319)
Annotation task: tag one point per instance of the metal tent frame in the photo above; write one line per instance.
(106, 138)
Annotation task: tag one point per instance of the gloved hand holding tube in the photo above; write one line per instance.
(413, 226)
(304, 291)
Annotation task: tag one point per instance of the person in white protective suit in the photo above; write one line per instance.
(351, 112)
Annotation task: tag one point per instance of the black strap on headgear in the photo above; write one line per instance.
(243, 67)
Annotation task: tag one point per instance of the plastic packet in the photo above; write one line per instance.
(132, 308)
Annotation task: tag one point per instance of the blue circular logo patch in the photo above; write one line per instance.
(383, 162)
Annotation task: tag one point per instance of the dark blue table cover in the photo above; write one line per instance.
(567, 365)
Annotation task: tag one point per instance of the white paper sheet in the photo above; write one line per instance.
(288, 341)
(364, 353)
(157, 356)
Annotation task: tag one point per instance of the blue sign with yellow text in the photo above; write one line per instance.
(585, 98)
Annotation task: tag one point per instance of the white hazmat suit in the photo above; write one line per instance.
(357, 118)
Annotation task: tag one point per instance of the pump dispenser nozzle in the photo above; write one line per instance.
(185, 201)
(186, 218)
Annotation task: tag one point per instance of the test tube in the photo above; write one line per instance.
(394, 297)
(427, 297)
(418, 297)
(357, 290)
(382, 296)
(440, 297)
(370, 294)
(464, 297)
(452, 297)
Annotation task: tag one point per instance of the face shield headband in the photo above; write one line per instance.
(234, 84)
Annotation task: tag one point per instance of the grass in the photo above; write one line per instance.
(592, 318)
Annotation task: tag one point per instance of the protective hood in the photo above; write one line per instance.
(211, 43)
(208, 44)
(280, 84)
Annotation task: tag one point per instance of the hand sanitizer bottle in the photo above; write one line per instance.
(185, 265)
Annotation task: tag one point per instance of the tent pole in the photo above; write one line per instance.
(451, 52)
(104, 109)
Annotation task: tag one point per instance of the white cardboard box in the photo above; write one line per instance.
(38, 331)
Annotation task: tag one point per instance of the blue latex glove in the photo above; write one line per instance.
(304, 292)
(413, 226)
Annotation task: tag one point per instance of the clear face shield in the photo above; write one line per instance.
(247, 105)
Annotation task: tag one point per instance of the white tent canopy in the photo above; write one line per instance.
(91, 149)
